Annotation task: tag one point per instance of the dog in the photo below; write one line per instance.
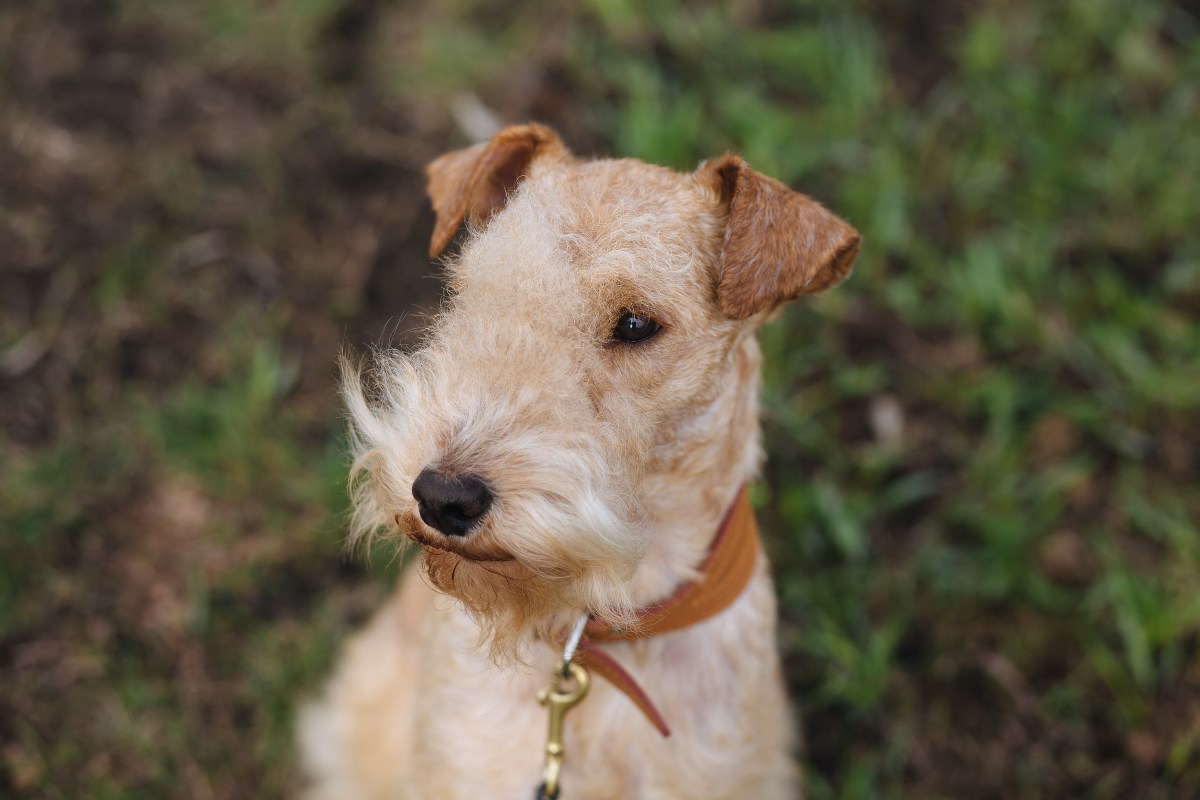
(569, 447)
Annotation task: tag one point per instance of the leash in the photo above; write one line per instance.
(724, 573)
(568, 685)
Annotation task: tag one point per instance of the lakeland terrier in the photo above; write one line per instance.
(570, 448)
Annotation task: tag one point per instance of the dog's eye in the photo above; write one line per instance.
(633, 327)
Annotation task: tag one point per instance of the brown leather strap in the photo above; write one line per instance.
(724, 574)
(604, 665)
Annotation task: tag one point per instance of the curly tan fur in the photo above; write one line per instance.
(611, 465)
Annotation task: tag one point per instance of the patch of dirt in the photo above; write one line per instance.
(233, 189)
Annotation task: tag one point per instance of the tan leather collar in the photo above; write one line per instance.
(724, 574)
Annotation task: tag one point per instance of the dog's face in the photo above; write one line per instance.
(594, 308)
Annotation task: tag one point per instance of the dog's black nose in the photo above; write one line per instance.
(453, 505)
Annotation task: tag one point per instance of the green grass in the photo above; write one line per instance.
(1002, 601)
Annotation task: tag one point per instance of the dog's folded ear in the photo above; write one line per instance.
(475, 183)
(779, 245)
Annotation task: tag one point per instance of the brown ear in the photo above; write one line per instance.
(475, 182)
(779, 244)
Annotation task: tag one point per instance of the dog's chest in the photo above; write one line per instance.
(611, 751)
(720, 707)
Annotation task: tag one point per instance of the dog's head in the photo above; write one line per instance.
(599, 324)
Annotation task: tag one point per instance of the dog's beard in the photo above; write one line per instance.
(538, 593)
(511, 605)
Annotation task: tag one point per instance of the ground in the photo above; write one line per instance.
(983, 447)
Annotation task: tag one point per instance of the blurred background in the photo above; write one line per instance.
(982, 497)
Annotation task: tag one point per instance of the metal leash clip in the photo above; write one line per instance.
(568, 685)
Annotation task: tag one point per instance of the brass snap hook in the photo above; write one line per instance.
(562, 695)
(568, 685)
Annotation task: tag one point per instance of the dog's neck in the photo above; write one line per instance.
(700, 472)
